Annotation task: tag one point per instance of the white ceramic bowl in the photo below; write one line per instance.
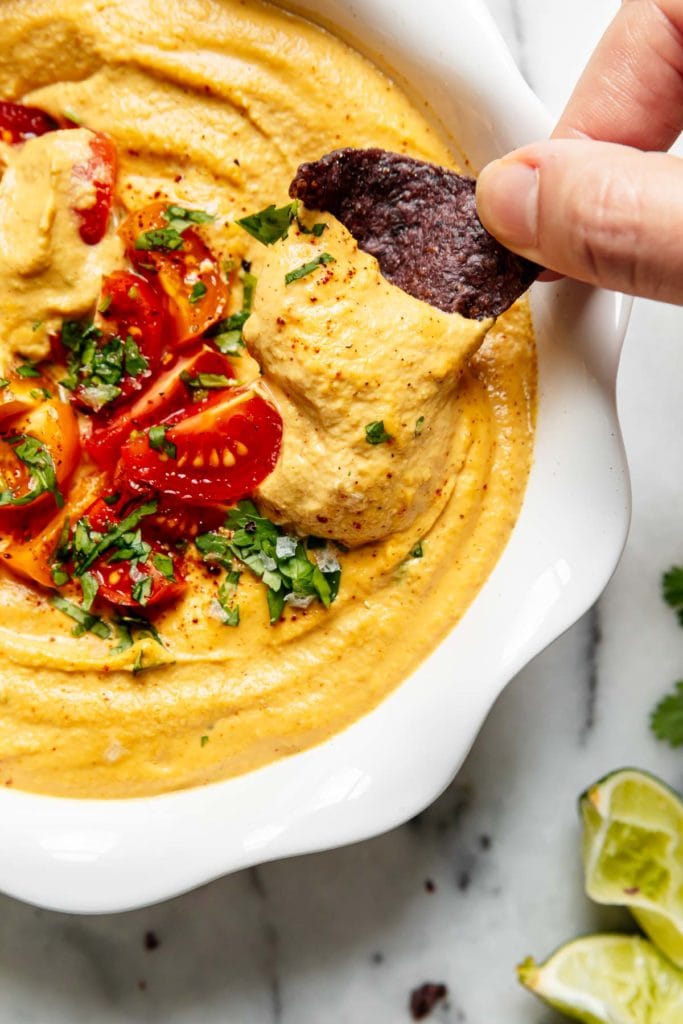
(92, 856)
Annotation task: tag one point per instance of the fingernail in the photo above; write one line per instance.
(507, 200)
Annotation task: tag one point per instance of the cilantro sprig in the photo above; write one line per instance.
(666, 720)
(279, 560)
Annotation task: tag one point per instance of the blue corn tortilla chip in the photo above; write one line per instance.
(420, 222)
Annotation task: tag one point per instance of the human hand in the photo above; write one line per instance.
(602, 201)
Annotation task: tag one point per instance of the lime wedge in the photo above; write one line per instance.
(608, 979)
(633, 853)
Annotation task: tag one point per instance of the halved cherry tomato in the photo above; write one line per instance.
(176, 520)
(117, 579)
(224, 448)
(33, 546)
(166, 394)
(182, 272)
(53, 424)
(130, 305)
(98, 174)
(19, 123)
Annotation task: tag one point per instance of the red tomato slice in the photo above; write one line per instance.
(32, 551)
(224, 449)
(117, 580)
(19, 123)
(52, 423)
(166, 394)
(181, 272)
(99, 174)
(133, 307)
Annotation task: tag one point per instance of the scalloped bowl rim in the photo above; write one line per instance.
(92, 856)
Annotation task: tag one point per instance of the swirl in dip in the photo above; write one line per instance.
(406, 432)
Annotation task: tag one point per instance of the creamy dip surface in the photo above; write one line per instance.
(212, 104)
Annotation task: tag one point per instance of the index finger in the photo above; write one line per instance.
(632, 89)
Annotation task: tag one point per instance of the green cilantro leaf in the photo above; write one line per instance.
(85, 621)
(376, 434)
(180, 218)
(672, 589)
(308, 268)
(417, 550)
(206, 381)
(159, 240)
(157, 440)
(134, 363)
(28, 370)
(666, 720)
(198, 292)
(270, 225)
(142, 589)
(419, 424)
(316, 230)
(249, 281)
(164, 564)
(89, 587)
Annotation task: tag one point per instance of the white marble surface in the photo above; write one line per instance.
(342, 937)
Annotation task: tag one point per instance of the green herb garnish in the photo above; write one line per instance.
(308, 268)
(270, 225)
(203, 740)
(376, 434)
(85, 621)
(666, 721)
(28, 370)
(105, 304)
(142, 589)
(42, 473)
(159, 240)
(198, 292)
(279, 560)
(205, 381)
(417, 551)
(134, 363)
(157, 441)
(316, 230)
(163, 563)
(672, 590)
(180, 219)
(419, 424)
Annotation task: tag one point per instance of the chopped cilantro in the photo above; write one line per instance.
(376, 434)
(28, 370)
(88, 545)
(89, 587)
(42, 473)
(270, 225)
(105, 304)
(39, 393)
(203, 740)
(279, 560)
(198, 292)
(157, 441)
(159, 239)
(163, 563)
(226, 335)
(248, 288)
(672, 589)
(142, 589)
(316, 230)
(97, 365)
(417, 550)
(134, 363)
(180, 219)
(132, 627)
(419, 424)
(206, 381)
(4, 383)
(36, 325)
(85, 621)
(308, 268)
(666, 720)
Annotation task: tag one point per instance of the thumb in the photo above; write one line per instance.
(605, 214)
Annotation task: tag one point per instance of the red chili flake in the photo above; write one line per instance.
(424, 999)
